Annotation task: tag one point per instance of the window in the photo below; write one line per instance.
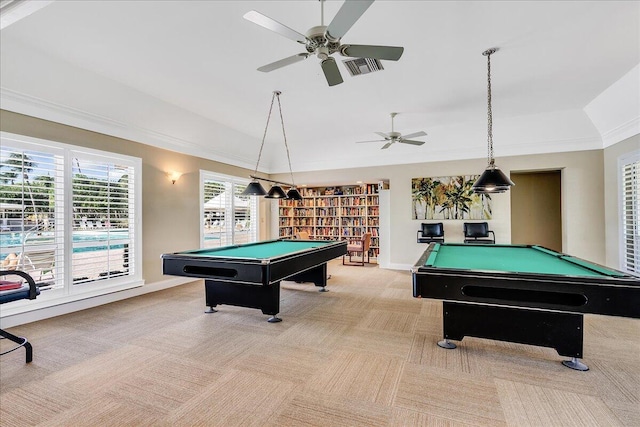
(629, 167)
(227, 216)
(67, 216)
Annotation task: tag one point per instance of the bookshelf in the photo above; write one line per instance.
(332, 213)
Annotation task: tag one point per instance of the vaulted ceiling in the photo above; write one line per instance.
(183, 75)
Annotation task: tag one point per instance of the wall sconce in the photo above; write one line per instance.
(174, 176)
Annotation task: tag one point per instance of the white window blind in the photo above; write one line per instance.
(68, 217)
(630, 221)
(31, 213)
(228, 217)
(103, 218)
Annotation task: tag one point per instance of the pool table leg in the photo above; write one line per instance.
(445, 343)
(211, 310)
(317, 275)
(558, 330)
(574, 363)
(263, 297)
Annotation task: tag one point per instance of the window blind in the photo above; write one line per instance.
(630, 223)
(228, 217)
(31, 213)
(103, 219)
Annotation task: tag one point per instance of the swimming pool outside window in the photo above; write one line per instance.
(68, 216)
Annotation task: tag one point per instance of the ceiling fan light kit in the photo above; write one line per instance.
(492, 180)
(323, 41)
(276, 192)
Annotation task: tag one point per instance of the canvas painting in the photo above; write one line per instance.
(448, 197)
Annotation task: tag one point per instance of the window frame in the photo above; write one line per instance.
(227, 179)
(623, 161)
(68, 292)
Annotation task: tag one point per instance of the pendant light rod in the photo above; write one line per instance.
(284, 135)
(254, 188)
(490, 159)
(492, 180)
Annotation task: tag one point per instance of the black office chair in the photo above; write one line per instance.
(433, 232)
(14, 291)
(478, 232)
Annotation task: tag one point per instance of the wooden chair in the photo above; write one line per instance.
(359, 246)
(302, 235)
(478, 232)
(431, 232)
(14, 291)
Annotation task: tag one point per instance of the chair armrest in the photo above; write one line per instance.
(33, 289)
(493, 234)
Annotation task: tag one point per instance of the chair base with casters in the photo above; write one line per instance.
(14, 291)
(360, 246)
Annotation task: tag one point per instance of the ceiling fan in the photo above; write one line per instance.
(323, 41)
(393, 137)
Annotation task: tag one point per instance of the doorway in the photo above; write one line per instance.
(536, 209)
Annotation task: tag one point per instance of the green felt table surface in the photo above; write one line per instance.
(517, 259)
(260, 250)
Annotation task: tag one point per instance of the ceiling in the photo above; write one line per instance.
(182, 75)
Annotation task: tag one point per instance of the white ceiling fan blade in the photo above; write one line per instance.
(273, 25)
(331, 71)
(375, 140)
(348, 14)
(390, 53)
(384, 135)
(284, 62)
(413, 135)
(408, 141)
(387, 145)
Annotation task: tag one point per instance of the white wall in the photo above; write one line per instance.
(582, 199)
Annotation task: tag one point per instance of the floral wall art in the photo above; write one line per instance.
(448, 197)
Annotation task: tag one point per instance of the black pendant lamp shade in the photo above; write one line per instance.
(294, 194)
(492, 180)
(254, 189)
(276, 192)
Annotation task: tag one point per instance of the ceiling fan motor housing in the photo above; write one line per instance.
(317, 39)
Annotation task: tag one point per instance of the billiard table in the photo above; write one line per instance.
(249, 275)
(521, 293)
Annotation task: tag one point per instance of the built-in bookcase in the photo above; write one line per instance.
(332, 213)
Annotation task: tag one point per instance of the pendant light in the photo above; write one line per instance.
(275, 192)
(492, 180)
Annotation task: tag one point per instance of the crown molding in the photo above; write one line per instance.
(622, 132)
(11, 11)
(21, 103)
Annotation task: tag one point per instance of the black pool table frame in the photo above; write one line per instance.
(527, 308)
(253, 282)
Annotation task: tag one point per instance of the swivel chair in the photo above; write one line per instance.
(14, 291)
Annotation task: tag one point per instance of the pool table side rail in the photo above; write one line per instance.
(201, 253)
(424, 264)
(247, 270)
(607, 295)
(541, 293)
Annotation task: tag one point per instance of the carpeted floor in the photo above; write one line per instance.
(363, 354)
